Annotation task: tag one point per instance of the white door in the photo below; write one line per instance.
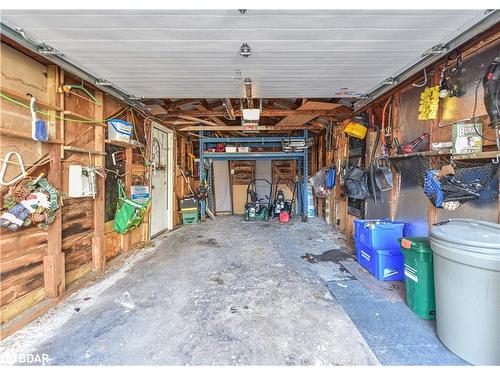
(161, 179)
(222, 187)
(263, 170)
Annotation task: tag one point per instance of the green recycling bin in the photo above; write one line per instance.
(419, 276)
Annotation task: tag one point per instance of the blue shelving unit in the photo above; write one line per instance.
(264, 142)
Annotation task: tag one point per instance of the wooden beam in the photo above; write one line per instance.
(198, 120)
(125, 239)
(98, 240)
(179, 122)
(53, 261)
(284, 103)
(213, 118)
(240, 128)
(300, 116)
(264, 113)
(229, 108)
(221, 128)
(178, 103)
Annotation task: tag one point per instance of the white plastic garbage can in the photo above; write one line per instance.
(467, 282)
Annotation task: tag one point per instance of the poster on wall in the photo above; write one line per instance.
(140, 193)
(465, 138)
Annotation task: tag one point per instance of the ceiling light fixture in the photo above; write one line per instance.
(245, 50)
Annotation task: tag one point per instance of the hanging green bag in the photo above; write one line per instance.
(129, 213)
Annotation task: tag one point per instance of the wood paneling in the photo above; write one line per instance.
(23, 74)
(77, 232)
(21, 262)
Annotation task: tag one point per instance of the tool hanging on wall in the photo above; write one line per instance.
(413, 146)
(444, 90)
(6, 162)
(38, 127)
(118, 157)
(491, 86)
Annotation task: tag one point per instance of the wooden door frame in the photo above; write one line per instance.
(170, 177)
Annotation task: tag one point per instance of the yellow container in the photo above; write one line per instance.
(192, 209)
(356, 130)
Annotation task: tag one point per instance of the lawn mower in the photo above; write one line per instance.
(257, 208)
(283, 208)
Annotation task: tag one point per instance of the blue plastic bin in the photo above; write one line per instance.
(379, 234)
(364, 255)
(388, 265)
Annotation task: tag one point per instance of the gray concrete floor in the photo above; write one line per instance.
(218, 293)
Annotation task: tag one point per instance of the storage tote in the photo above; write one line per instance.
(119, 130)
(379, 233)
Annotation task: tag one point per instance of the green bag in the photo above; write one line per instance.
(129, 213)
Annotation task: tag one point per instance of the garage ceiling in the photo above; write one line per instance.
(195, 53)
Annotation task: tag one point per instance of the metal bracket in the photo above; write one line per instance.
(103, 82)
(438, 49)
(390, 81)
(45, 50)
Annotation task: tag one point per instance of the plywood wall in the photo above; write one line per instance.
(32, 258)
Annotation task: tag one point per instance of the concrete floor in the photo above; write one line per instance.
(217, 293)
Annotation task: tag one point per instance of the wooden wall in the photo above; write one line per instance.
(38, 264)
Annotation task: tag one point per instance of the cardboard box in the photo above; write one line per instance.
(231, 149)
(243, 149)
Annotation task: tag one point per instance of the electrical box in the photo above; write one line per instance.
(80, 182)
(251, 114)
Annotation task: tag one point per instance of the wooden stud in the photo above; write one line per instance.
(321, 156)
(432, 211)
(396, 178)
(53, 262)
(98, 241)
(125, 237)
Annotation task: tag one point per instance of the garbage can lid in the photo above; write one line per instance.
(480, 234)
(419, 244)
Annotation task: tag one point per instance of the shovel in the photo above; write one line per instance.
(382, 174)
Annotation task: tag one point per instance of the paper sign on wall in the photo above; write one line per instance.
(140, 193)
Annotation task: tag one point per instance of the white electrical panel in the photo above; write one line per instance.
(251, 114)
(80, 182)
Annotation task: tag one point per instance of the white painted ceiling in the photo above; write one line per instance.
(195, 53)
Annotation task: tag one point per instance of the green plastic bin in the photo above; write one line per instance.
(190, 217)
(419, 276)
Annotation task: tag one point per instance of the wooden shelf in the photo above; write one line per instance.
(421, 153)
(121, 144)
(82, 150)
(23, 96)
(23, 135)
(70, 115)
(478, 155)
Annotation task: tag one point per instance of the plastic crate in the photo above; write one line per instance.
(190, 217)
(380, 234)
(388, 265)
(385, 265)
(188, 203)
(364, 255)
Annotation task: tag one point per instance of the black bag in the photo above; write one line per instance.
(356, 183)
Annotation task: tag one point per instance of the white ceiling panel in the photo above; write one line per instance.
(295, 53)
